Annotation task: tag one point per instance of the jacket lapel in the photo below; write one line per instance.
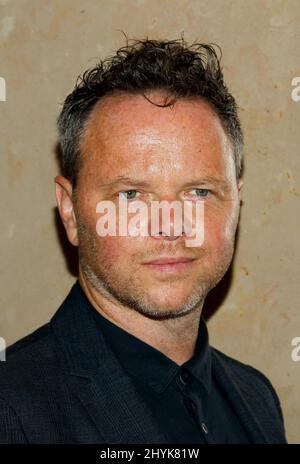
(98, 379)
(237, 400)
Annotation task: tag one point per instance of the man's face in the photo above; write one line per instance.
(168, 152)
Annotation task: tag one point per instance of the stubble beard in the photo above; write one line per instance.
(125, 291)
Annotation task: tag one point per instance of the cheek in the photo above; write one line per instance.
(115, 251)
(213, 234)
(219, 230)
(108, 249)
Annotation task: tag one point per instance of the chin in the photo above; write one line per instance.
(169, 303)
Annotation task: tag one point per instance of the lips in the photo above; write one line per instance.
(167, 260)
(170, 265)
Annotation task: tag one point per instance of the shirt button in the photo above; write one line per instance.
(184, 377)
(191, 407)
(204, 428)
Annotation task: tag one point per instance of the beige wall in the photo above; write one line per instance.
(44, 45)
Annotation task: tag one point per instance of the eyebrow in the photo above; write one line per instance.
(209, 179)
(125, 180)
(122, 180)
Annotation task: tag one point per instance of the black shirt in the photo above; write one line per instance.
(185, 400)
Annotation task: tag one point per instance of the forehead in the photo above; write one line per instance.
(126, 130)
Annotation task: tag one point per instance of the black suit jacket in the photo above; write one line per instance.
(63, 384)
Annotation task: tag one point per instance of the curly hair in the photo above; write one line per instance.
(145, 65)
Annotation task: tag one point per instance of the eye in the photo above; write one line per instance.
(130, 194)
(202, 192)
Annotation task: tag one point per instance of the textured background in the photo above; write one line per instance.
(44, 45)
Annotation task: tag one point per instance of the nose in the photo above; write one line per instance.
(166, 221)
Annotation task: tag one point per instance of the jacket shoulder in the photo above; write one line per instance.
(242, 370)
(27, 358)
(254, 385)
(25, 376)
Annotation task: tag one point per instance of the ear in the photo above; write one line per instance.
(63, 193)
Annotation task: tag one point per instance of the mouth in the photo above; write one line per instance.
(170, 265)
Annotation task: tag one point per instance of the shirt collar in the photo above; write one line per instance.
(146, 362)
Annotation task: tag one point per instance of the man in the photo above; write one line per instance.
(126, 358)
